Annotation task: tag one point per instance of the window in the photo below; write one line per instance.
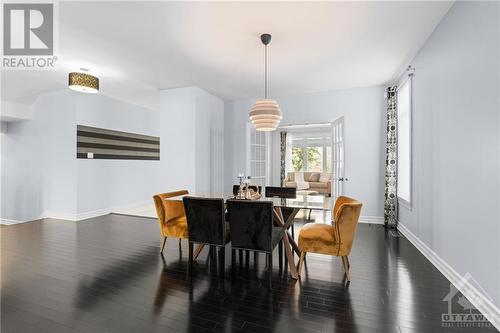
(311, 152)
(297, 159)
(314, 159)
(404, 141)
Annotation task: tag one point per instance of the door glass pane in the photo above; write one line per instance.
(262, 153)
(257, 163)
(329, 158)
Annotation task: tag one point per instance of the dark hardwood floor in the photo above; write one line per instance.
(105, 275)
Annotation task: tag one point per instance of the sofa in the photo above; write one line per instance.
(323, 186)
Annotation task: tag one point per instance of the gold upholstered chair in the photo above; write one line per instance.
(171, 216)
(336, 239)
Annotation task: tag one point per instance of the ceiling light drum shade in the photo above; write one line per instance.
(265, 115)
(83, 82)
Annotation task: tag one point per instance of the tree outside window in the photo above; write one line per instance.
(314, 159)
(298, 158)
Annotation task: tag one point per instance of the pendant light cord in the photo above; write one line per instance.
(265, 70)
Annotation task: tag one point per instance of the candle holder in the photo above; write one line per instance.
(243, 190)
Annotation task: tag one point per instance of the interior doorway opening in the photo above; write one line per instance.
(314, 158)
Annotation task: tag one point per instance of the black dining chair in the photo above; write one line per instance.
(285, 193)
(256, 188)
(252, 228)
(206, 226)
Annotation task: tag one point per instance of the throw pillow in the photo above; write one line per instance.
(314, 177)
(325, 177)
(299, 176)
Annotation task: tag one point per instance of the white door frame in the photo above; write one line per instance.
(249, 128)
(338, 152)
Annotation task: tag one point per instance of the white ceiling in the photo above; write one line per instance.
(137, 48)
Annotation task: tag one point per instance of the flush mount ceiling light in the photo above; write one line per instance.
(83, 82)
(265, 115)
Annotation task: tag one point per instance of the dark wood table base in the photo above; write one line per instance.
(288, 239)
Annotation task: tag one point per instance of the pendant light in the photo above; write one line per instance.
(265, 115)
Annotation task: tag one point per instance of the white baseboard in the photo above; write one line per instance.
(11, 222)
(477, 297)
(76, 217)
(91, 214)
(59, 216)
(371, 219)
(127, 208)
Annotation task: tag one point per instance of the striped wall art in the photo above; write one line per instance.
(100, 143)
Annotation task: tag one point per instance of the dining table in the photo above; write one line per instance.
(293, 206)
(284, 211)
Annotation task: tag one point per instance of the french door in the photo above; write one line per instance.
(257, 156)
(338, 158)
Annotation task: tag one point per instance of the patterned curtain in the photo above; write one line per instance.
(283, 157)
(391, 169)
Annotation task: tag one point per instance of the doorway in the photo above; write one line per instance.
(318, 148)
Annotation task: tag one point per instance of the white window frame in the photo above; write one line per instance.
(402, 201)
(326, 142)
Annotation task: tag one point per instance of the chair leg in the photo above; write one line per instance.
(190, 260)
(280, 254)
(270, 270)
(163, 244)
(301, 262)
(348, 263)
(214, 254)
(240, 253)
(293, 231)
(197, 251)
(222, 260)
(345, 261)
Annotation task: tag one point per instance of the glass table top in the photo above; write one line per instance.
(302, 201)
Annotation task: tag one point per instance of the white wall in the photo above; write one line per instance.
(209, 143)
(192, 127)
(104, 184)
(364, 113)
(11, 111)
(456, 147)
(41, 175)
(38, 164)
(177, 123)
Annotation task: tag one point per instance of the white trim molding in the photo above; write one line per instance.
(477, 297)
(80, 216)
(371, 219)
(91, 214)
(11, 222)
